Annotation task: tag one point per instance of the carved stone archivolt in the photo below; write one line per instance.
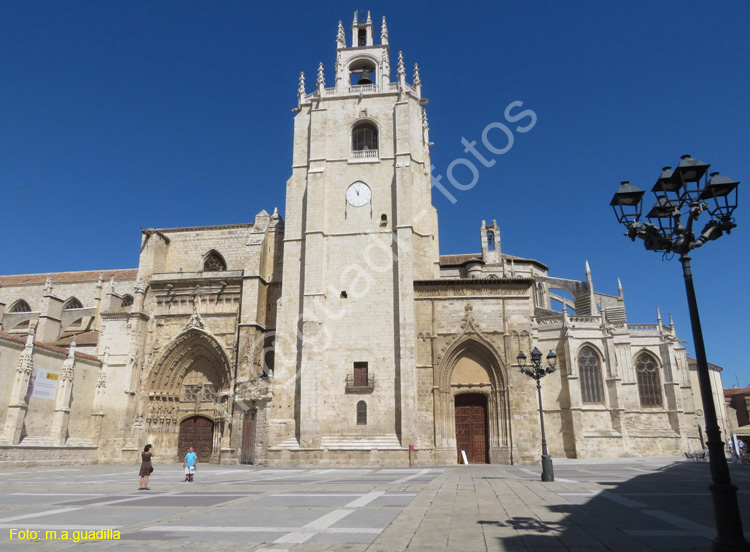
(192, 349)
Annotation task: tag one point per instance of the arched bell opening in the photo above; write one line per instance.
(362, 72)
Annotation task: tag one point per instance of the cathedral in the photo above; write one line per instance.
(338, 335)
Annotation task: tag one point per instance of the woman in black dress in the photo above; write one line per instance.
(146, 467)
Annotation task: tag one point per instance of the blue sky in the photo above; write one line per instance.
(121, 115)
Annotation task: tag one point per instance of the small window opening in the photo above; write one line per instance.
(127, 301)
(343, 295)
(21, 306)
(361, 413)
(383, 219)
(490, 241)
(362, 37)
(214, 263)
(72, 303)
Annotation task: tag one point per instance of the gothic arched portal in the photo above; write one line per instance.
(472, 403)
(189, 385)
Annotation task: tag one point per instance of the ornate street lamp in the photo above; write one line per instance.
(537, 372)
(684, 194)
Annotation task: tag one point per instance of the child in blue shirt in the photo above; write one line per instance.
(189, 464)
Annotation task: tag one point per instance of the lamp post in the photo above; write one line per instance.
(537, 372)
(685, 193)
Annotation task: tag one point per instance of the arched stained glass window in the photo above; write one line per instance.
(20, 306)
(649, 386)
(361, 413)
(214, 262)
(590, 373)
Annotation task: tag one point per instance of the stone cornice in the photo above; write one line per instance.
(198, 228)
(472, 282)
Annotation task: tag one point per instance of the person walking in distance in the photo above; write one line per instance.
(146, 467)
(189, 464)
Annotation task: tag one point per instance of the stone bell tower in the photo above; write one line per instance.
(360, 229)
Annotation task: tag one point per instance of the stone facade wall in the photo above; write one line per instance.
(187, 248)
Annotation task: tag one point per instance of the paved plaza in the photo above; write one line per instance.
(616, 505)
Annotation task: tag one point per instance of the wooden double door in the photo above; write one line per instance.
(196, 432)
(471, 428)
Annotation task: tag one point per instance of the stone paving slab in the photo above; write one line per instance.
(627, 505)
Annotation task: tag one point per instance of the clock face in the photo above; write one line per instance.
(358, 194)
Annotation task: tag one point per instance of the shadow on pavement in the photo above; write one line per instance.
(669, 510)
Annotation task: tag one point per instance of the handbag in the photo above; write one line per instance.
(151, 470)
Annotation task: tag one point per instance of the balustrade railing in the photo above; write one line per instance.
(586, 319)
(359, 384)
(365, 154)
(648, 328)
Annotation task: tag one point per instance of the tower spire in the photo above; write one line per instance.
(369, 19)
(340, 36)
(301, 90)
(321, 79)
(417, 81)
(659, 325)
(384, 32)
